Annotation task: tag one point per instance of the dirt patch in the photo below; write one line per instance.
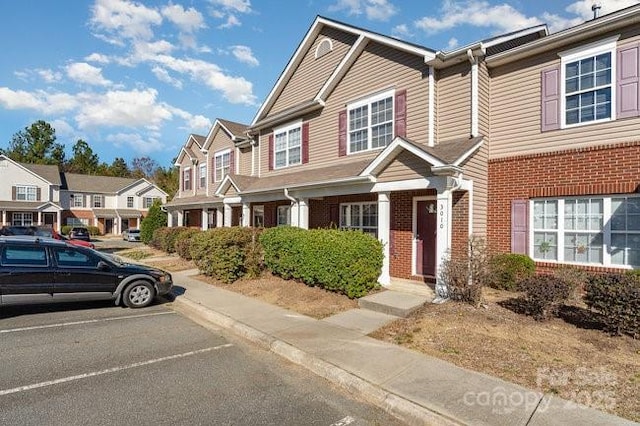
(142, 252)
(311, 301)
(568, 357)
(172, 265)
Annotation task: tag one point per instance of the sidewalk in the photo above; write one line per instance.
(416, 388)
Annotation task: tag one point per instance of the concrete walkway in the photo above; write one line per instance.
(418, 389)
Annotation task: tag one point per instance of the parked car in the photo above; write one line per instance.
(17, 230)
(43, 270)
(80, 243)
(79, 233)
(131, 234)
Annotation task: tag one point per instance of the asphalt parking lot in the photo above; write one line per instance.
(95, 363)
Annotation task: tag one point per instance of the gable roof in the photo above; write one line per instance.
(319, 23)
(236, 132)
(97, 184)
(186, 149)
(50, 173)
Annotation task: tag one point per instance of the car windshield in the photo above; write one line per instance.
(133, 231)
(111, 258)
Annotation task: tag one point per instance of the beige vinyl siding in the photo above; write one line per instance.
(201, 158)
(231, 192)
(405, 166)
(484, 106)
(220, 142)
(476, 168)
(243, 160)
(453, 108)
(312, 73)
(516, 110)
(378, 68)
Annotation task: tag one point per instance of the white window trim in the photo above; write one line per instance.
(202, 178)
(361, 227)
(257, 209)
(26, 192)
(323, 41)
(593, 49)
(288, 210)
(368, 101)
(215, 166)
(286, 129)
(23, 216)
(606, 230)
(186, 178)
(133, 202)
(93, 201)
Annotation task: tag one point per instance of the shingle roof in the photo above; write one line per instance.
(199, 139)
(198, 199)
(25, 205)
(451, 150)
(49, 172)
(96, 184)
(237, 129)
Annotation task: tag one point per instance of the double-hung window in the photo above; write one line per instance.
(587, 230)
(78, 200)
(97, 201)
(129, 202)
(222, 165)
(203, 175)
(22, 219)
(362, 216)
(148, 202)
(287, 147)
(370, 123)
(26, 193)
(258, 216)
(187, 179)
(284, 215)
(588, 82)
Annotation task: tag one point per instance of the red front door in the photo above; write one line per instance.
(426, 231)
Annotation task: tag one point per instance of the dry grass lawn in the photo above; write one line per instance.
(172, 265)
(567, 356)
(311, 301)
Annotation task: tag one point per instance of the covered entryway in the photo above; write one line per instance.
(425, 236)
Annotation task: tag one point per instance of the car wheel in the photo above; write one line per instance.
(138, 294)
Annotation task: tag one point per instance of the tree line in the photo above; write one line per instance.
(36, 144)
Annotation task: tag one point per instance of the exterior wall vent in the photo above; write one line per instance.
(324, 47)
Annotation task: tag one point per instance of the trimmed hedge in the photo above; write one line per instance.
(347, 262)
(182, 242)
(165, 238)
(93, 230)
(227, 253)
(617, 298)
(543, 295)
(507, 269)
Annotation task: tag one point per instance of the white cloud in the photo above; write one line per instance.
(193, 123)
(63, 128)
(375, 10)
(98, 58)
(163, 75)
(188, 20)
(241, 6)
(136, 141)
(49, 76)
(40, 101)
(452, 43)
(244, 55)
(401, 31)
(232, 21)
(123, 18)
(582, 8)
(83, 72)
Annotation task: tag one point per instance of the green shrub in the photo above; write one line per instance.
(347, 262)
(222, 252)
(182, 242)
(617, 298)
(65, 229)
(165, 238)
(543, 295)
(155, 219)
(93, 230)
(507, 269)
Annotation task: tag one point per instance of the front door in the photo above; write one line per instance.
(426, 233)
(108, 226)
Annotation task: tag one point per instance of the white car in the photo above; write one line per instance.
(131, 234)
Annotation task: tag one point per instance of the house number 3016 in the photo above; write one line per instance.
(441, 214)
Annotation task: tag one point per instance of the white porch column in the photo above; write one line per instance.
(4, 217)
(180, 216)
(294, 214)
(227, 215)
(219, 218)
(170, 219)
(443, 241)
(205, 219)
(246, 214)
(303, 213)
(58, 220)
(384, 234)
(39, 218)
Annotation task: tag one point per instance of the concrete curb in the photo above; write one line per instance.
(399, 407)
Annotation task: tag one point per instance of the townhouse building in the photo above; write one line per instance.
(35, 194)
(527, 139)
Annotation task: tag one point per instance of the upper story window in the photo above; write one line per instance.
(370, 123)
(148, 202)
(203, 175)
(222, 165)
(26, 193)
(97, 202)
(186, 179)
(129, 202)
(78, 200)
(588, 82)
(288, 146)
(324, 47)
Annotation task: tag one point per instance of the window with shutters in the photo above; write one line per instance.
(287, 147)
(587, 230)
(26, 193)
(284, 215)
(78, 200)
(587, 83)
(222, 165)
(97, 202)
(370, 123)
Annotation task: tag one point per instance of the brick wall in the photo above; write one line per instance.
(606, 169)
(460, 224)
(80, 214)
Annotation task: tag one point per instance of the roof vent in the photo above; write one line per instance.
(595, 7)
(324, 47)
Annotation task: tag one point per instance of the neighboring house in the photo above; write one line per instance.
(424, 149)
(33, 194)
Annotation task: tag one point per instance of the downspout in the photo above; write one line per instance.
(432, 112)
(474, 92)
(295, 205)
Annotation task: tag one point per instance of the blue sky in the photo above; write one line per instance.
(135, 78)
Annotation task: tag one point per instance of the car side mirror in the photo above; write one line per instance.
(103, 266)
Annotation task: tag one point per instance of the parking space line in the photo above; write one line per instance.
(110, 370)
(64, 324)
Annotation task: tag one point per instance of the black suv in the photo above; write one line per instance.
(79, 233)
(41, 270)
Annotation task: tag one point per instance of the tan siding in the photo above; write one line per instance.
(231, 192)
(312, 73)
(515, 112)
(476, 168)
(484, 105)
(377, 69)
(405, 166)
(244, 161)
(453, 109)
